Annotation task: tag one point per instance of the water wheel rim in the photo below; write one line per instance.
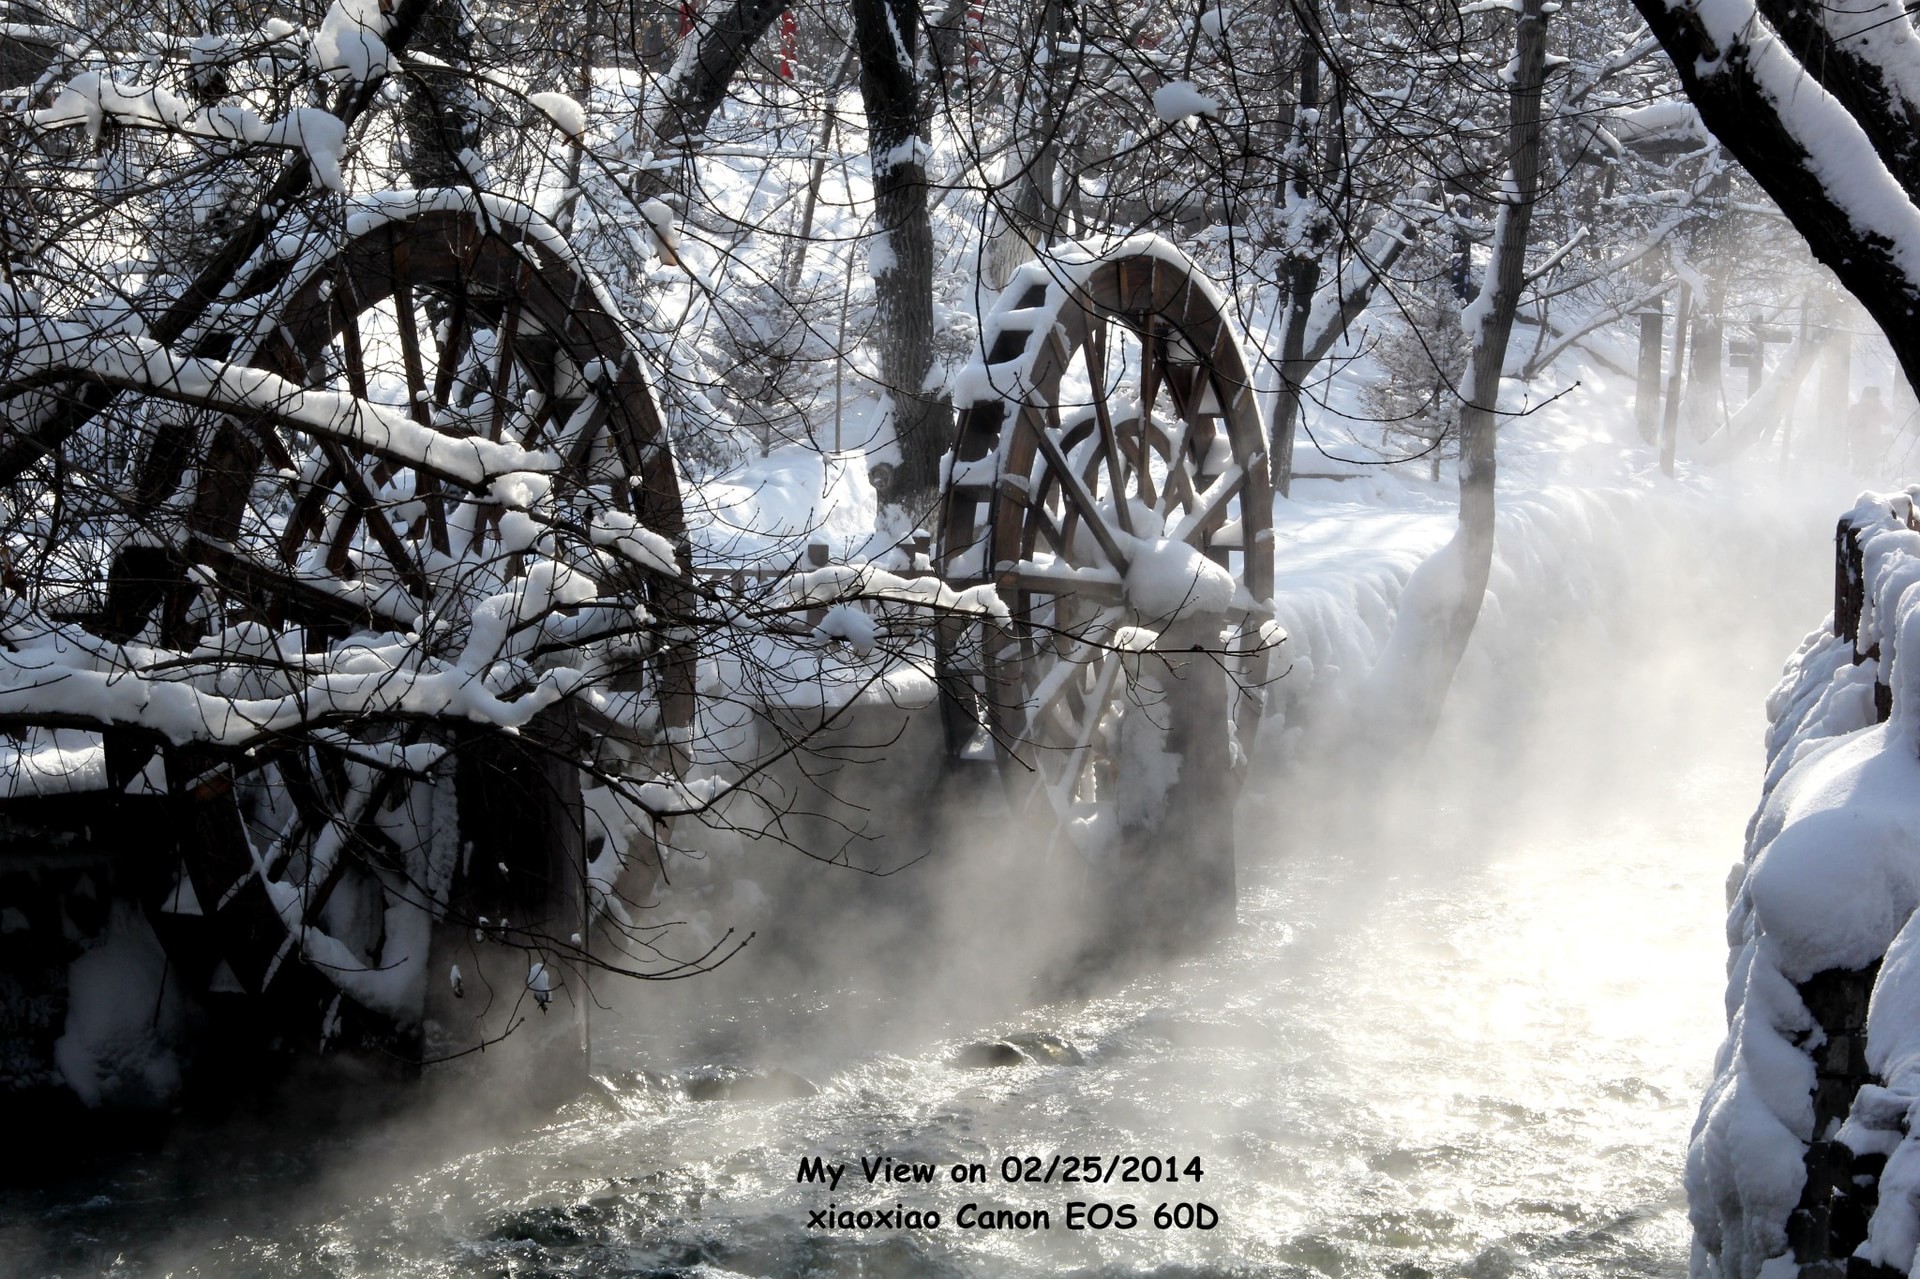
(598, 417)
(1045, 440)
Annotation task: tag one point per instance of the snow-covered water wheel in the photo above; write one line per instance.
(1110, 477)
(339, 877)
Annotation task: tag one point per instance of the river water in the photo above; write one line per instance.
(1463, 1037)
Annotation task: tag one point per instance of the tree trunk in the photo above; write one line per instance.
(1712, 251)
(1646, 386)
(1442, 601)
(1676, 383)
(1303, 265)
(699, 83)
(1706, 382)
(440, 115)
(722, 49)
(888, 33)
(1884, 100)
(1029, 217)
(1494, 308)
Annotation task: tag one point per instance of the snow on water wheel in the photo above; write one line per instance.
(342, 877)
(1110, 477)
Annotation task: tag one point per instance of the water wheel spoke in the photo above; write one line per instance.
(550, 421)
(1096, 583)
(369, 513)
(419, 394)
(426, 487)
(1082, 501)
(585, 433)
(346, 522)
(333, 795)
(486, 523)
(453, 351)
(293, 596)
(1178, 378)
(260, 429)
(1054, 532)
(311, 808)
(352, 350)
(1138, 454)
(1177, 493)
(1207, 513)
(507, 336)
(309, 515)
(1085, 728)
(327, 856)
(1079, 647)
(1150, 366)
(1098, 334)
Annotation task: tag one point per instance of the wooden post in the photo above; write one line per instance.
(1676, 380)
(1706, 388)
(1646, 392)
(1171, 879)
(817, 556)
(519, 816)
(1746, 354)
(1792, 406)
(1835, 392)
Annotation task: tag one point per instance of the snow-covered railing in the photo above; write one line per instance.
(1804, 1161)
(1874, 512)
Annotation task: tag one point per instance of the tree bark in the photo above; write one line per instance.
(1883, 106)
(1498, 300)
(888, 34)
(722, 50)
(1030, 216)
(1676, 383)
(440, 114)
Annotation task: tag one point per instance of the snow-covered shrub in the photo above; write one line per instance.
(1421, 350)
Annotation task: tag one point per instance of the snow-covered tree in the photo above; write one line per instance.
(1816, 101)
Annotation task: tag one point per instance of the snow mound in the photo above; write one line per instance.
(1170, 579)
(1180, 99)
(564, 110)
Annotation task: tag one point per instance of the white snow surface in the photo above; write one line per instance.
(564, 110)
(1179, 99)
(350, 41)
(1170, 579)
(91, 100)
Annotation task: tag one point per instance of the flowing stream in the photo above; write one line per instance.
(1465, 1037)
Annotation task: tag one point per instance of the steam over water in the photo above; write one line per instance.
(1463, 1037)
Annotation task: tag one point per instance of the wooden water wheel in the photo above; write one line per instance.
(1110, 477)
(346, 879)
